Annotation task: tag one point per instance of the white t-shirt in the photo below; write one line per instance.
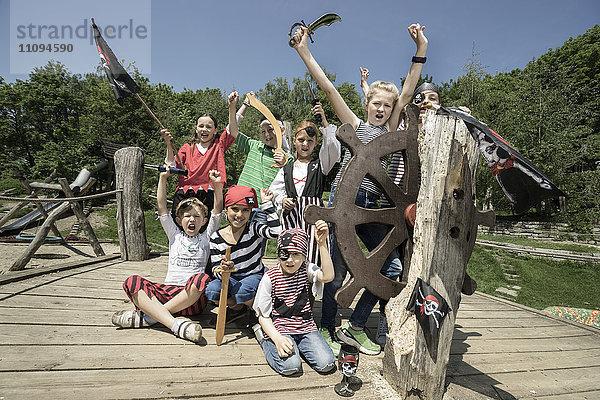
(187, 255)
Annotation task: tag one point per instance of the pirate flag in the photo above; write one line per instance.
(524, 184)
(429, 307)
(120, 82)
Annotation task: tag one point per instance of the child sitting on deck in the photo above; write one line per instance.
(244, 237)
(284, 307)
(183, 290)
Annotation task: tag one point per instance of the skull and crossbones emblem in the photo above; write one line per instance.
(349, 365)
(430, 306)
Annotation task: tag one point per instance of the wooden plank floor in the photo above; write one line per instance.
(58, 343)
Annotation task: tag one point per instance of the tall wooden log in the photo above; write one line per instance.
(130, 217)
(443, 237)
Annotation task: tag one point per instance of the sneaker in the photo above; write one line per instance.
(329, 336)
(189, 330)
(131, 319)
(382, 330)
(358, 339)
(233, 315)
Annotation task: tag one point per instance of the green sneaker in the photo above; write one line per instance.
(329, 336)
(358, 339)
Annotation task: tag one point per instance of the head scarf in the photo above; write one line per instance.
(241, 195)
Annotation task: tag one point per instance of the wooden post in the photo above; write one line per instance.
(444, 231)
(130, 217)
(83, 221)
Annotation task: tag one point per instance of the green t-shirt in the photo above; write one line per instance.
(257, 172)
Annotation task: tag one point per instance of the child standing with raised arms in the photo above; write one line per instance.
(383, 105)
(204, 151)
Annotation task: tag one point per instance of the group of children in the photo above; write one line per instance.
(268, 202)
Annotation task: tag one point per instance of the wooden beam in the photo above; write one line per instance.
(83, 221)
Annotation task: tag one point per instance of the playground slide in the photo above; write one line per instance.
(83, 176)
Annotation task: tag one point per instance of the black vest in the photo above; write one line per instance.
(315, 181)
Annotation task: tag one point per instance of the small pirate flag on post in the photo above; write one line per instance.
(429, 307)
(120, 82)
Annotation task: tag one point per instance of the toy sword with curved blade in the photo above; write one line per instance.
(254, 102)
(323, 20)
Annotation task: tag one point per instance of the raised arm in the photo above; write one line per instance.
(340, 107)
(217, 182)
(410, 83)
(364, 74)
(161, 193)
(168, 138)
(232, 99)
(326, 274)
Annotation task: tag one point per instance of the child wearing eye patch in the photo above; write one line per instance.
(301, 183)
(283, 305)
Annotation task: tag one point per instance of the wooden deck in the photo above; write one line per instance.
(58, 343)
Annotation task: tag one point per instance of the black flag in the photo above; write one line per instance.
(429, 307)
(524, 184)
(121, 83)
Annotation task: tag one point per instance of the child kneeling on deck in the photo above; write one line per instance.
(283, 304)
(183, 290)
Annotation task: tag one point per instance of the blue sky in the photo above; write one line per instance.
(242, 45)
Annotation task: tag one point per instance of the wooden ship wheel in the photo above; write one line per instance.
(345, 215)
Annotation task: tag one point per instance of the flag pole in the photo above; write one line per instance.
(149, 111)
(117, 74)
(160, 124)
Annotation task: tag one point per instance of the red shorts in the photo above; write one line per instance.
(164, 293)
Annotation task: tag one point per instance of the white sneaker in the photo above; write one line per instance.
(382, 330)
(189, 330)
(131, 319)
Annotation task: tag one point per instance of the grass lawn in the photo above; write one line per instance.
(544, 282)
(579, 248)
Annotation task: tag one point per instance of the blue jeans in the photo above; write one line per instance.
(241, 289)
(311, 346)
(371, 235)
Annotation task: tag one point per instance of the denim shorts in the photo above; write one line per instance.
(242, 289)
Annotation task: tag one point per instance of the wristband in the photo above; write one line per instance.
(420, 60)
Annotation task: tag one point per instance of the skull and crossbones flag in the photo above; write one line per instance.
(520, 180)
(120, 82)
(429, 307)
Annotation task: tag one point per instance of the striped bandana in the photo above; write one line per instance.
(292, 241)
